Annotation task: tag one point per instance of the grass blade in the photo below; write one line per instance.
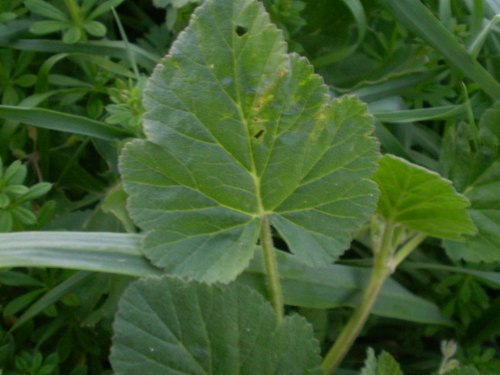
(115, 49)
(47, 119)
(121, 253)
(421, 114)
(89, 251)
(416, 17)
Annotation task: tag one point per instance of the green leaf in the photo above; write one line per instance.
(24, 215)
(45, 9)
(421, 200)
(387, 365)
(477, 174)
(54, 120)
(370, 366)
(6, 221)
(47, 27)
(384, 364)
(237, 131)
(95, 28)
(104, 7)
(168, 326)
(72, 35)
(4, 200)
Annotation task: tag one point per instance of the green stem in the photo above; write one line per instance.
(273, 277)
(408, 248)
(381, 271)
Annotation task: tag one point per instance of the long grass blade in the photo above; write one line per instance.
(116, 49)
(48, 119)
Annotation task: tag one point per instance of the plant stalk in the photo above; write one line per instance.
(272, 273)
(381, 271)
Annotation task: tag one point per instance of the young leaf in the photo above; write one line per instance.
(168, 326)
(239, 131)
(421, 200)
(477, 174)
(384, 364)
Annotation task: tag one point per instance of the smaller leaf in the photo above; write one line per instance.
(72, 35)
(387, 365)
(4, 200)
(421, 200)
(47, 27)
(384, 364)
(26, 80)
(103, 8)
(95, 28)
(43, 8)
(24, 215)
(370, 367)
(16, 189)
(36, 191)
(6, 221)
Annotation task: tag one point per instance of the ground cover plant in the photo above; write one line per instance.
(243, 186)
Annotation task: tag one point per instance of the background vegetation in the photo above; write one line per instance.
(71, 79)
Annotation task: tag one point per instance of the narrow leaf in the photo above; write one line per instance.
(168, 326)
(336, 286)
(421, 200)
(328, 287)
(108, 48)
(100, 252)
(239, 130)
(48, 119)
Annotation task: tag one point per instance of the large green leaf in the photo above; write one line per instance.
(167, 326)
(421, 200)
(476, 172)
(327, 287)
(238, 132)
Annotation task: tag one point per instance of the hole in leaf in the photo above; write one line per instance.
(259, 134)
(241, 30)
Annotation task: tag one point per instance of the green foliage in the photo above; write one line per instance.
(72, 79)
(76, 21)
(207, 330)
(15, 197)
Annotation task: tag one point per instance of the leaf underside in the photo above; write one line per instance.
(478, 175)
(168, 326)
(238, 130)
(421, 200)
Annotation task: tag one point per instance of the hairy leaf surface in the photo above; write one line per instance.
(421, 200)
(238, 131)
(477, 174)
(168, 326)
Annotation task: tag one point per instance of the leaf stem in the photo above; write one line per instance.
(273, 278)
(408, 248)
(382, 268)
